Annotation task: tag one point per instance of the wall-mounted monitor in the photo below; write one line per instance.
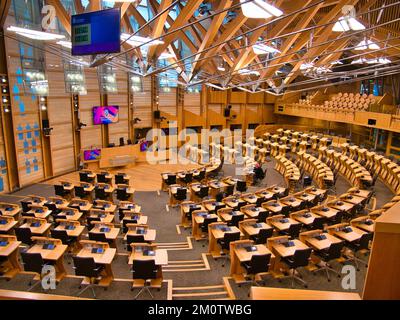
(96, 32)
(105, 114)
(93, 154)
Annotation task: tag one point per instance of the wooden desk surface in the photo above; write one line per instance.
(7, 212)
(199, 218)
(251, 230)
(284, 251)
(354, 235)
(9, 248)
(219, 234)
(100, 258)
(11, 223)
(83, 206)
(264, 293)
(281, 225)
(300, 217)
(253, 213)
(321, 244)
(46, 254)
(346, 206)
(112, 234)
(353, 199)
(210, 206)
(42, 229)
(274, 207)
(327, 214)
(142, 219)
(244, 255)
(361, 224)
(361, 193)
(43, 215)
(150, 234)
(74, 217)
(76, 232)
(160, 258)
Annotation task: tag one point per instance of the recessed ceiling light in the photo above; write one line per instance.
(259, 9)
(34, 34)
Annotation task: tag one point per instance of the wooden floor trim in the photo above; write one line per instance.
(199, 294)
(219, 286)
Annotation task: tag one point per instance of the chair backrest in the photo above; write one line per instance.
(83, 176)
(285, 210)
(236, 219)
(89, 221)
(60, 234)
(95, 236)
(59, 190)
(294, 230)
(206, 222)
(241, 186)
(25, 206)
(171, 179)
(335, 250)
(100, 193)
(24, 235)
(119, 179)
(263, 235)
(363, 243)
(262, 216)
(203, 191)
(144, 269)
(122, 194)
(260, 263)
(125, 222)
(134, 238)
(229, 237)
(229, 190)
(201, 175)
(181, 193)
(318, 223)
(79, 192)
(188, 177)
(101, 177)
(301, 257)
(85, 266)
(33, 262)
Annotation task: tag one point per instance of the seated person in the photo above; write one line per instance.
(259, 173)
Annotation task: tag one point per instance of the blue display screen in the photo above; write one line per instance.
(96, 32)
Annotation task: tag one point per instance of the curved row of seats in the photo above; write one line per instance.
(342, 102)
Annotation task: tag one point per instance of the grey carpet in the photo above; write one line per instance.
(165, 222)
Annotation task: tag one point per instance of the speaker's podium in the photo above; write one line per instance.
(120, 156)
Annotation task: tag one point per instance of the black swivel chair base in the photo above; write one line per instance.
(357, 261)
(293, 277)
(145, 288)
(90, 286)
(327, 268)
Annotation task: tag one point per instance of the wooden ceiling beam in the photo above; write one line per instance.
(289, 42)
(211, 32)
(180, 21)
(62, 15)
(159, 23)
(4, 7)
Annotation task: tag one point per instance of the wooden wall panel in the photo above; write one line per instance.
(120, 129)
(192, 102)
(60, 118)
(25, 118)
(167, 102)
(4, 186)
(91, 134)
